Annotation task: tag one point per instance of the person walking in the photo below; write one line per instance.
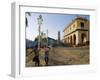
(46, 49)
(36, 57)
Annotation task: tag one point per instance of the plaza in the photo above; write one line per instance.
(62, 56)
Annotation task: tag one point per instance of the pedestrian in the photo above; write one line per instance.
(46, 50)
(36, 57)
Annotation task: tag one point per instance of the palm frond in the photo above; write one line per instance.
(26, 21)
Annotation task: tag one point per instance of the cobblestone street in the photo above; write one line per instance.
(62, 56)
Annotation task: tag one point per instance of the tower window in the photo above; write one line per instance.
(82, 24)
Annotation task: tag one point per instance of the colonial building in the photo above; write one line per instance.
(77, 32)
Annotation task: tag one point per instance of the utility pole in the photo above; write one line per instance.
(40, 20)
(47, 37)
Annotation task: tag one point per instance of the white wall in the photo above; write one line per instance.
(5, 39)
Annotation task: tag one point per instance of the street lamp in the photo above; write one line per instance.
(40, 20)
(47, 37)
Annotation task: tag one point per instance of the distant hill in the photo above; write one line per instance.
(30, 43)
(51, 41)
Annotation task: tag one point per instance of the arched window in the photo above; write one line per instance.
(82, 25)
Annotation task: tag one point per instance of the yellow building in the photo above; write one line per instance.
(77, 32)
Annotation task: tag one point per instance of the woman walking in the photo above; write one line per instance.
(36, 58)
(46, 49)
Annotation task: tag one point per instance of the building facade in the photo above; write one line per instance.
(77, 32)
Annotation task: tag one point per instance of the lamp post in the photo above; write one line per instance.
(47, 37)
(40, 20)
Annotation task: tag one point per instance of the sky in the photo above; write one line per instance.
(51, 22)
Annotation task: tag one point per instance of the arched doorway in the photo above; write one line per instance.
(74, 39)
(70, 39)
(66, 40)
(83, 38)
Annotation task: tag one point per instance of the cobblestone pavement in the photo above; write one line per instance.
(62, 56)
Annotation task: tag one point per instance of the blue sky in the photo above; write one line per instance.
(52, 22)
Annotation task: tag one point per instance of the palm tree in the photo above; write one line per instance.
(26, 19)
